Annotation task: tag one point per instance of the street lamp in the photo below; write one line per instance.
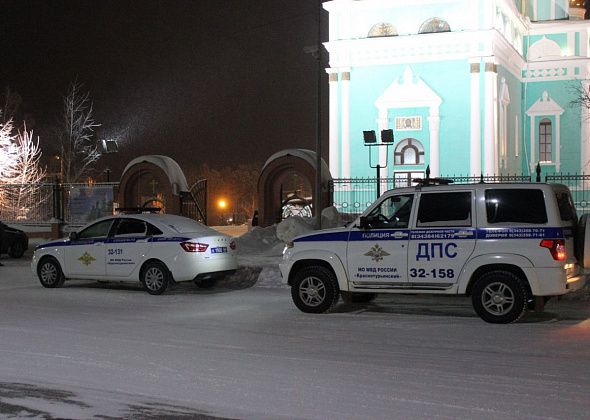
(370, 141)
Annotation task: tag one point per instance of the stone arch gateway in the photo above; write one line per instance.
(272, 181)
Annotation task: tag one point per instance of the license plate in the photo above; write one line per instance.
(219, 250)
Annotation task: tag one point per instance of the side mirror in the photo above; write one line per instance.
(73, 236)
(363, 223)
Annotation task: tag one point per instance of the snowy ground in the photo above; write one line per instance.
(242, 350)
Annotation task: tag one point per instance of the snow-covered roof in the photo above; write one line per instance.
(168, 165)
(305, 154)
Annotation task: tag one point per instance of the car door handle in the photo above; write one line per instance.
(464, 233)
(400, 235)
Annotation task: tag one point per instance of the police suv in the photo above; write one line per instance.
(508, 246)
(155, 249)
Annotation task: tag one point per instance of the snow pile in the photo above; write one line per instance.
(260, 241)
(331, 218)
(294, 226)
(262, 248)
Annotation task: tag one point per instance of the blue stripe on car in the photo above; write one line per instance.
(111, 241)
(446, 233)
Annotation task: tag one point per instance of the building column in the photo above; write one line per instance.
(532, 139)
(557, 143)
(345, 121)
(382, 124)
(475, 135)
(490, 107)
(585, 130)
(334, 152)
(434, 126)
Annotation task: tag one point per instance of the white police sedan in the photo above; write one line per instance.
(155, 249)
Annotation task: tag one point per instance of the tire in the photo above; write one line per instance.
(17, 249)
(50, 273)
(155, 278)
(206, 283)
(351, 297)
(499, 297)
(315, 289)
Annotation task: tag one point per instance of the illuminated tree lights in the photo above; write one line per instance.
(20, 173)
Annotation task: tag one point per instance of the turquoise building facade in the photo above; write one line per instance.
(469, 87)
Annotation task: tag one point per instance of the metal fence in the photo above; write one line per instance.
(27, 202)
(579, 185)
(77, 203)
(72, 203)
(352, 196)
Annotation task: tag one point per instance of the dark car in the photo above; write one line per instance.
(14, 241)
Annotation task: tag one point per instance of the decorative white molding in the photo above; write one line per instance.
(334, 131)
(490, 134)
(504, 102)
(516, 136)
(409, 91)
(407, 49)
(545, 107)
(345, 122)
(475, 122)
(544, 49)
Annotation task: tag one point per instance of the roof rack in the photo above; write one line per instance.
(137, 210)
(423, 182)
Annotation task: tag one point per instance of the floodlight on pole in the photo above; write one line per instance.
(370, 140)
(387, 136)
(369, 136)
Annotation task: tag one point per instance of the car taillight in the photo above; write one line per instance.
(194, 246)
(232, 245)
(556, 247)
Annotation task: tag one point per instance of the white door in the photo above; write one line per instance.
(443, 238)
(85, 255)
(377, 252)
(127, 247)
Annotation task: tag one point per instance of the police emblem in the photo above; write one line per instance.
(376, 253)
(86, 259)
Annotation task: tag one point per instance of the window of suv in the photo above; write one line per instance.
(567, 209)
(393, 212)
(445, 209)
(515, 205)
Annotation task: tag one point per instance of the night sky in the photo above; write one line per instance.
(206, 81)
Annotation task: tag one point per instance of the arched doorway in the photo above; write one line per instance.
(287, 183)
(158, 181)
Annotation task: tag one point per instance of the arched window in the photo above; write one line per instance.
(545, 140)
(408, 152)
(382, 29)
(434, 25)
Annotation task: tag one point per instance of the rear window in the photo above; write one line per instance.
(516, 205)
(567, 209)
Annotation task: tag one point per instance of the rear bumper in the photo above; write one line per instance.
(554, 281)
(576, 282)
(187, 266)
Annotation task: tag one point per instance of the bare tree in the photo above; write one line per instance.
(7, 152)
(22, 196)
(10, 102)
(581, 93)
(79, 147)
